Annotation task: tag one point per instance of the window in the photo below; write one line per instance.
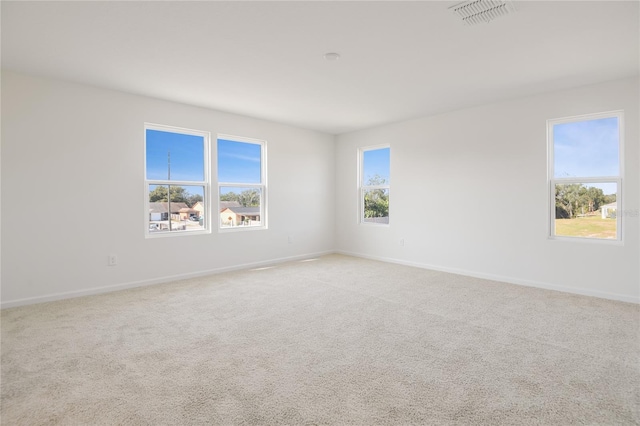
(176, 180)
(374, 185)
(585, 176)
(241, 183)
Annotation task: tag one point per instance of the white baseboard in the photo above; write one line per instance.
(501, 278)
(143, 283)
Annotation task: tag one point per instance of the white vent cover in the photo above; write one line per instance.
(479, 11)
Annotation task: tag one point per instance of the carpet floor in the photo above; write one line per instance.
(330, 341)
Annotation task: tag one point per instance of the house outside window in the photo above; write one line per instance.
(242, 188)
(585, 176)
(374, 182)
(177, 180)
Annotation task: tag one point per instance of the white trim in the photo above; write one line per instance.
(236, 138)
(502, 278)
(152, 281)
(170, 278)
(205, 184)
(587, 116)
(362, 187)
(262, 186)
(552, 181)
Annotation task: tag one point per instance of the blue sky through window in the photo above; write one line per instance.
(586, 148)
(376, 162)
(239, 162)
(186, 153)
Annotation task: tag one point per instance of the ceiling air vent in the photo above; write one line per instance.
(480, 11)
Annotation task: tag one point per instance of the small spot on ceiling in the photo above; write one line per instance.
(332, 56)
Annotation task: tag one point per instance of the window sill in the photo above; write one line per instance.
(176, 234)
(603, 241)
(241, 229)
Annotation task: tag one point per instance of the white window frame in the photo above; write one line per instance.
(553, 181)
(260, 186)
(206, 183)
(362, 188)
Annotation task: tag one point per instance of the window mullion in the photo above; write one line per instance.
(241, 160)
(165, 156)
(584, 204)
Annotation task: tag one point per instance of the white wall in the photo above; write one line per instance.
(72, 192)
(469, 195)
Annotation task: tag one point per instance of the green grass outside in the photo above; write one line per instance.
(589, 226)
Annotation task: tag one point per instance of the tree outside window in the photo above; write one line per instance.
(585, 176)
(374, 185)
(176, 180)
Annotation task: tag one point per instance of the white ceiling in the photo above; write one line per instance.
(399, 60)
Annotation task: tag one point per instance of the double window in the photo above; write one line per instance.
(374, 184)
(176, 180)
(241, 183)
(585, 176)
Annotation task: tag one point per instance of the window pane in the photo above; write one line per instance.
(174, 156)
(240, 207)
(176, 208)
(376, 167)
(376, 205)
(239, 162)
(586, 210)
(586, 148)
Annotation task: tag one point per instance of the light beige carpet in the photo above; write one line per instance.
(336, 341)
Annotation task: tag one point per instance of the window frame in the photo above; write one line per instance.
(206, 183)
(262, 186)
(362, 188)
(552, 181)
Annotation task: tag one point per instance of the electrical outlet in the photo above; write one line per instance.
(290, 239)
(112, 260)
(401, 242)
